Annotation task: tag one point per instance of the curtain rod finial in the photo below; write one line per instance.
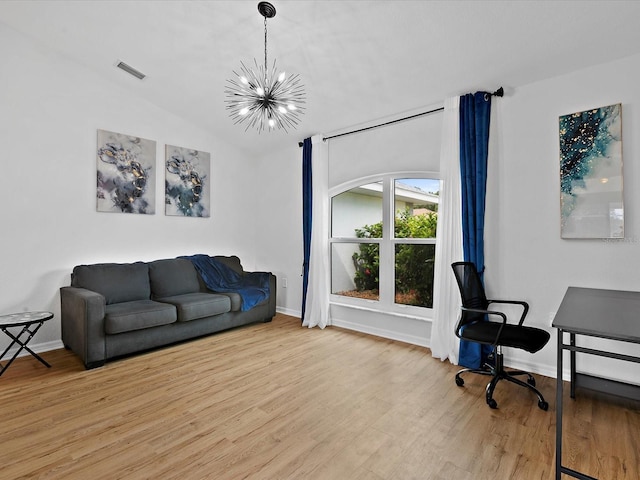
(499, 92)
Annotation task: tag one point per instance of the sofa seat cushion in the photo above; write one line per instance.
(128, 316)
(236, 300)
(192, 306)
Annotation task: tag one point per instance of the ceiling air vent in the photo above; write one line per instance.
(130, 70)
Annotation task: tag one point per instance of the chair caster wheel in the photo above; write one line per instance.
(531, 381)
(543, 405)
(492, 403)
(459, 381)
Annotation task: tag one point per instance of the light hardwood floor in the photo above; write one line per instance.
(278, 401)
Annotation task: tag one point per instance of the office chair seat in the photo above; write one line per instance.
(489, 326)
(524, 338)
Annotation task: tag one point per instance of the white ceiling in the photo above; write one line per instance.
(359, 60)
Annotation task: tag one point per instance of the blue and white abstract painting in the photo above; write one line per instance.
(591, 173)
(126, 173)
(187, 174)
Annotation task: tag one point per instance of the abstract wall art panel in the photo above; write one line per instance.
(187, 174)
(126, 173)
(591, 200)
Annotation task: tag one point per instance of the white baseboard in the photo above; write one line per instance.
(546, 370)
(288, 311)
(380, 332)
(36, 347)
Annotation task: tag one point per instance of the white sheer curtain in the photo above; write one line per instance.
(446, 298)
(317, 309)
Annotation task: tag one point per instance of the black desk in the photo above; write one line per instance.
(29, 323)
(610, 314)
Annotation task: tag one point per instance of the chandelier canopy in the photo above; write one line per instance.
(265, 98)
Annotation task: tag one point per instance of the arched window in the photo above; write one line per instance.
(383, 235)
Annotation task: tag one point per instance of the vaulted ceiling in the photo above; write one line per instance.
(359, 60)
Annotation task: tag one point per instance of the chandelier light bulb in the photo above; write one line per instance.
(261, 97)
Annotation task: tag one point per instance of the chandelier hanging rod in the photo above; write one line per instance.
(267, 11)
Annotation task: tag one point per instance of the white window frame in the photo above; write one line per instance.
(386, 302)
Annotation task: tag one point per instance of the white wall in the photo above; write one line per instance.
(405, 146)
(51, 110)
(525, 256)
(278, 220)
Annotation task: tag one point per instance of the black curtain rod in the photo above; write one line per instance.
(385, 124)
(497, 93)
(379, 125)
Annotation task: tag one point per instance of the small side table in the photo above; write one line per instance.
(30, 323)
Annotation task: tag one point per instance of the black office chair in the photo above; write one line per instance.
(475, 325)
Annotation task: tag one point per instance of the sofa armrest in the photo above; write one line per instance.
(82, 313)
(272, 295)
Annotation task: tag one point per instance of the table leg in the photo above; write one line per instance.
(23, 344)
(559, 408)
(572, 364)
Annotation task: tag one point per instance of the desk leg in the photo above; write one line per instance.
(559, 408)
(572, 364)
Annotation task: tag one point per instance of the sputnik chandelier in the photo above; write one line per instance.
(261, 97)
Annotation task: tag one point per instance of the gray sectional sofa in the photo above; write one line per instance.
(113, 309)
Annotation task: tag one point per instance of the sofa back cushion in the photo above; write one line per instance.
(232, 262)
(174, 276)
(117, 282)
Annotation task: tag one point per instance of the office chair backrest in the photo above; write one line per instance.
(471, 291)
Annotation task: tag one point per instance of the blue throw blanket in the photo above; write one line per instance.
(253, 287)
